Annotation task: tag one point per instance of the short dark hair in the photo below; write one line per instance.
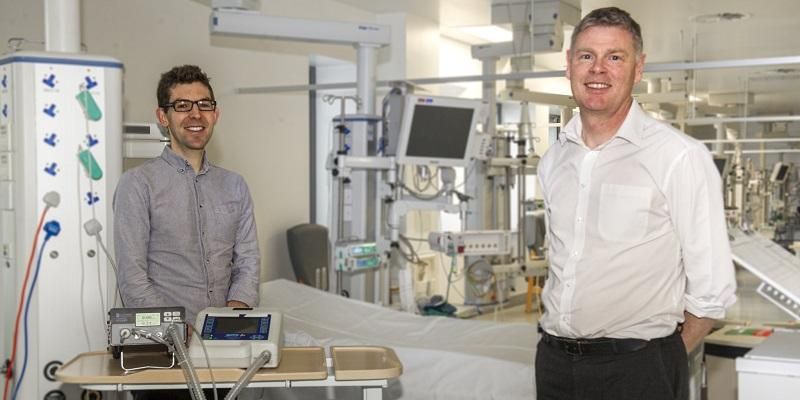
(183, 74)
(610, 16)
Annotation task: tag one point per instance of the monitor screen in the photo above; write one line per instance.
(216, 327)
(439, 132)
(781, 175)
(237, 325)
(721, 164)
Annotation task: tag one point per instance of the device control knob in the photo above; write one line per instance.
(124, 333)
(159, 334)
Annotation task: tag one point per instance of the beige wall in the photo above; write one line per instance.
(263, 137)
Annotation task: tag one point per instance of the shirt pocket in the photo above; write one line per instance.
(226, 221)
(624, 212)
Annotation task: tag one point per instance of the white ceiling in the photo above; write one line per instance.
(670, 35)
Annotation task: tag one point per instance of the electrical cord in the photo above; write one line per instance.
(416, 178)
(52, 228)
(51, 199)
(414, 239)
(84, 323)
(90, 173)
(208, 361)
(412, 256)
(93, 228)
(418, 193)
(421, 196)
(19, 310)
(117, 295)
(450, 279)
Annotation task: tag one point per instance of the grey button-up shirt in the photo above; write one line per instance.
(185, 239)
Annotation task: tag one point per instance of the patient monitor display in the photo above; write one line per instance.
(723, 165)
(439, 131)
(235, 328)
(234, 337)
(779, 173)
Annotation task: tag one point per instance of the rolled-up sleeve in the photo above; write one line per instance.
(694, 197)
(131, 239)
(246, 257)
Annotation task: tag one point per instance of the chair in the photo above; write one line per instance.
(535, 232)
(309, 252)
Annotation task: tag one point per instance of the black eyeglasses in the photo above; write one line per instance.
(187, 105)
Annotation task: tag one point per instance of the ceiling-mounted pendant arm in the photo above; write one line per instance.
(247, 23)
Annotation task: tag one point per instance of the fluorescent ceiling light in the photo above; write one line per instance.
(719, 17)
(695, 99)
(488, 33)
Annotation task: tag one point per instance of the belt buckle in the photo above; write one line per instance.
(573, 348)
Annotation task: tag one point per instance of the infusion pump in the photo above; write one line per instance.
(235, 337)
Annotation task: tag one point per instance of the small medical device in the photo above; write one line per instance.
(472, 243)
(142, 329)
(440, 131)
(143, 140)
(354, 256)
(235, 337)
(142, 131)
(779, 173)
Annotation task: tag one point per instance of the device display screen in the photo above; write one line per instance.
(236, 328)
(782, 173)
(720, 163)
(439, 132)
(237, 325)
(148, 319)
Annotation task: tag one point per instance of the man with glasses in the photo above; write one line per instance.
(184, 229)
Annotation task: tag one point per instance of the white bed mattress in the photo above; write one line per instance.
(443, 358)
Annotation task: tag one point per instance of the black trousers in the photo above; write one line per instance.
(176, 394)
(659, 371)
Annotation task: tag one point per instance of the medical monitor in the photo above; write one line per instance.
(779, 173)
(723, 165)
(439, 131)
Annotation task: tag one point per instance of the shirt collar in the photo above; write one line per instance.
(180, 163)
(631, 129)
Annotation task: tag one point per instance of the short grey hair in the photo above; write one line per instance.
(610, 16)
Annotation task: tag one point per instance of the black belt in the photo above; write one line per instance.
(598, 346)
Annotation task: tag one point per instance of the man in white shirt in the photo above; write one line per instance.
(640, 260)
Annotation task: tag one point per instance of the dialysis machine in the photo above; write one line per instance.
(60, 138)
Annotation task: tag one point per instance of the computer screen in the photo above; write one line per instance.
(722, 165)
(779, 172)
(438, 131)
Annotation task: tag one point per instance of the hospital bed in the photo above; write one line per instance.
(443, 358)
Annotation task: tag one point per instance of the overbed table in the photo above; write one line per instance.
(368, 367)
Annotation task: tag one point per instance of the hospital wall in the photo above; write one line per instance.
(262, 137)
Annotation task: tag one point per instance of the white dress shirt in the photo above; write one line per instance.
(637, 232)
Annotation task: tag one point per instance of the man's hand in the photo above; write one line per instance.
(237, 304)
(694, 330)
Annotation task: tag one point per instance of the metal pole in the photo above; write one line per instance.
(365, 74)
(62, 25)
